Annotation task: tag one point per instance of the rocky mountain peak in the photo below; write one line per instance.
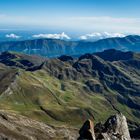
(115, 128)
(115, 55)
(65, 58)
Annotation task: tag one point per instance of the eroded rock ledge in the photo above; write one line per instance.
(17, 127)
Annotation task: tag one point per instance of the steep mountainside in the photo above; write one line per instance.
(66, 91)
(54, 47)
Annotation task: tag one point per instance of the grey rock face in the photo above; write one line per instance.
(115, 128)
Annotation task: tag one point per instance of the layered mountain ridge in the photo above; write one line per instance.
(67, 91)
(56, 47)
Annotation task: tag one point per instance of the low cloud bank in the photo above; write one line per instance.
(13, 36)
(97, 35)
(53, 36)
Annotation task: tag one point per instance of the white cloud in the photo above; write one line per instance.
(13, 36)
(53, 36)
(97, 36)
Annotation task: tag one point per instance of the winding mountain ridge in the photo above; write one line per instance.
(55, 47)
(67, 91)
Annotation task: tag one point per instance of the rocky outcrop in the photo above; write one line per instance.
(115, 128)
(87, 131)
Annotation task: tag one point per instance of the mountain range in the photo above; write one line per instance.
(68, 90)
(56, 47)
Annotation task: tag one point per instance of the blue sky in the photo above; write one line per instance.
(71, 15)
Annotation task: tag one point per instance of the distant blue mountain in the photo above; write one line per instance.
(55, 47)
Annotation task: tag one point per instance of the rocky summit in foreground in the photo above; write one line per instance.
(18, 127)
(115, 128)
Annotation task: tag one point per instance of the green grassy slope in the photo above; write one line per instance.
(68, 93)
(70, 106)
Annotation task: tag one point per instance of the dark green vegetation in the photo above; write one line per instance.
(55, 47)
(68, 91)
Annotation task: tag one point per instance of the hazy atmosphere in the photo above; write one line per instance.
(71, 16)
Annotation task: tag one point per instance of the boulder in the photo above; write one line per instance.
(87, 131)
